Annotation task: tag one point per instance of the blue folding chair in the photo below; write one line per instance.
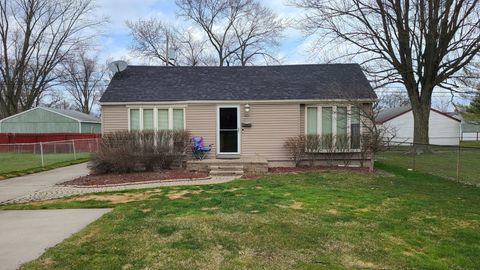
(199, 151)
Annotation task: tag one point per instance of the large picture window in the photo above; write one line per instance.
(337, 126)
(156, 118)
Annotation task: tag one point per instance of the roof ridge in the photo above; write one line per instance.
(261, 66)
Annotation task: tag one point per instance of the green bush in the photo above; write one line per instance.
(125, 152)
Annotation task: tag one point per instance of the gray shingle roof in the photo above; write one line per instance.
(157, 83)
(82, 117)
(390, 113)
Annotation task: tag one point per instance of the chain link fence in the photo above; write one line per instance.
(24, 156)
(460, 163)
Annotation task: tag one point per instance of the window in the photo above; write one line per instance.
(327, 127)
(337, 126)
(342, 136)
(311, 120)
(162, 119)
(178, 119)
(134, 119)
(156, 119)
(355, 128)
(147, 119)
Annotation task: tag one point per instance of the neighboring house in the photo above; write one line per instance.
(443, 128)
(48, 120)
(470, 130)
(246, 112)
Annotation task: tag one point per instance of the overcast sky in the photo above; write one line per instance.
(115, 43)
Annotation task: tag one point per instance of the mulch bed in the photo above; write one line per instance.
(315, 169)
(115, 179)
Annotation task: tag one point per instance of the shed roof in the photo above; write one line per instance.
(288, 82)
(391, 113)
(82, 117)
(76, 115)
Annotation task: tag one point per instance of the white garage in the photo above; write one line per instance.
(443, 128)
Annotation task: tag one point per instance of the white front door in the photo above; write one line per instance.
(228, 129)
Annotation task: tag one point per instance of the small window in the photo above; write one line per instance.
(355, 128)
(311, 120)
(178, 119)
(162, 119)
(134, 119)
(342, 136)
(327, 127)
(147, 119)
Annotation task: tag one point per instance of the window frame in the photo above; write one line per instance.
(155, 116)
(334, 123)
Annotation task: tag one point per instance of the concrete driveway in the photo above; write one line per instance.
(21, 186)
(25, 234)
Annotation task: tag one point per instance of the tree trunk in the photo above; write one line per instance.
(421, 115)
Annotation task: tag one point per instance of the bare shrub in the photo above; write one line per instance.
(296, 148)
(125, 152)
(313, 146)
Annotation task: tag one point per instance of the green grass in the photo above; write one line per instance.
(15, 164)
(330, 220)
(470, 143)
(442, 161)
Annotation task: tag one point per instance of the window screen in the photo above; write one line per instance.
(178, 119)
(311, 120)
(355, 128)
(147, 119)
(134, 119)
(162, 119)
(342, 138)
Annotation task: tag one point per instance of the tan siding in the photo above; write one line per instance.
(201, 121)
(302, 118)
(271, 125)
(114, 118)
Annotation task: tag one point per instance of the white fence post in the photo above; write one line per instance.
(41, 154)
(74, 152)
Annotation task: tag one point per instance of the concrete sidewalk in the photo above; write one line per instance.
(25, 234)
(21, 186)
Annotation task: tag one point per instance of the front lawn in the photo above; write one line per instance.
(328, 220)
(18, 163)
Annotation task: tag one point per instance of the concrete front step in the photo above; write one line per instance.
(225, 173)
(226, 167)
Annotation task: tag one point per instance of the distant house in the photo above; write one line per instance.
(48, 120)
(443, 128)
(470, 130)
(245, 112)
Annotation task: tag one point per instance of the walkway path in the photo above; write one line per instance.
(24, 185)
(25, 234)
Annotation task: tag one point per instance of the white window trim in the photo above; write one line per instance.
(334, 123)
(155, 116)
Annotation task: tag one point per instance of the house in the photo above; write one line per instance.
(245, 112)
(49, 120)
(470, 129)
(444, 129)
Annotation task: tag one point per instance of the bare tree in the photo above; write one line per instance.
(35, 36)
(258, 33)
(150, 41)
(420, 44)
(390, 99)
(84, 79)
(238, 30)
